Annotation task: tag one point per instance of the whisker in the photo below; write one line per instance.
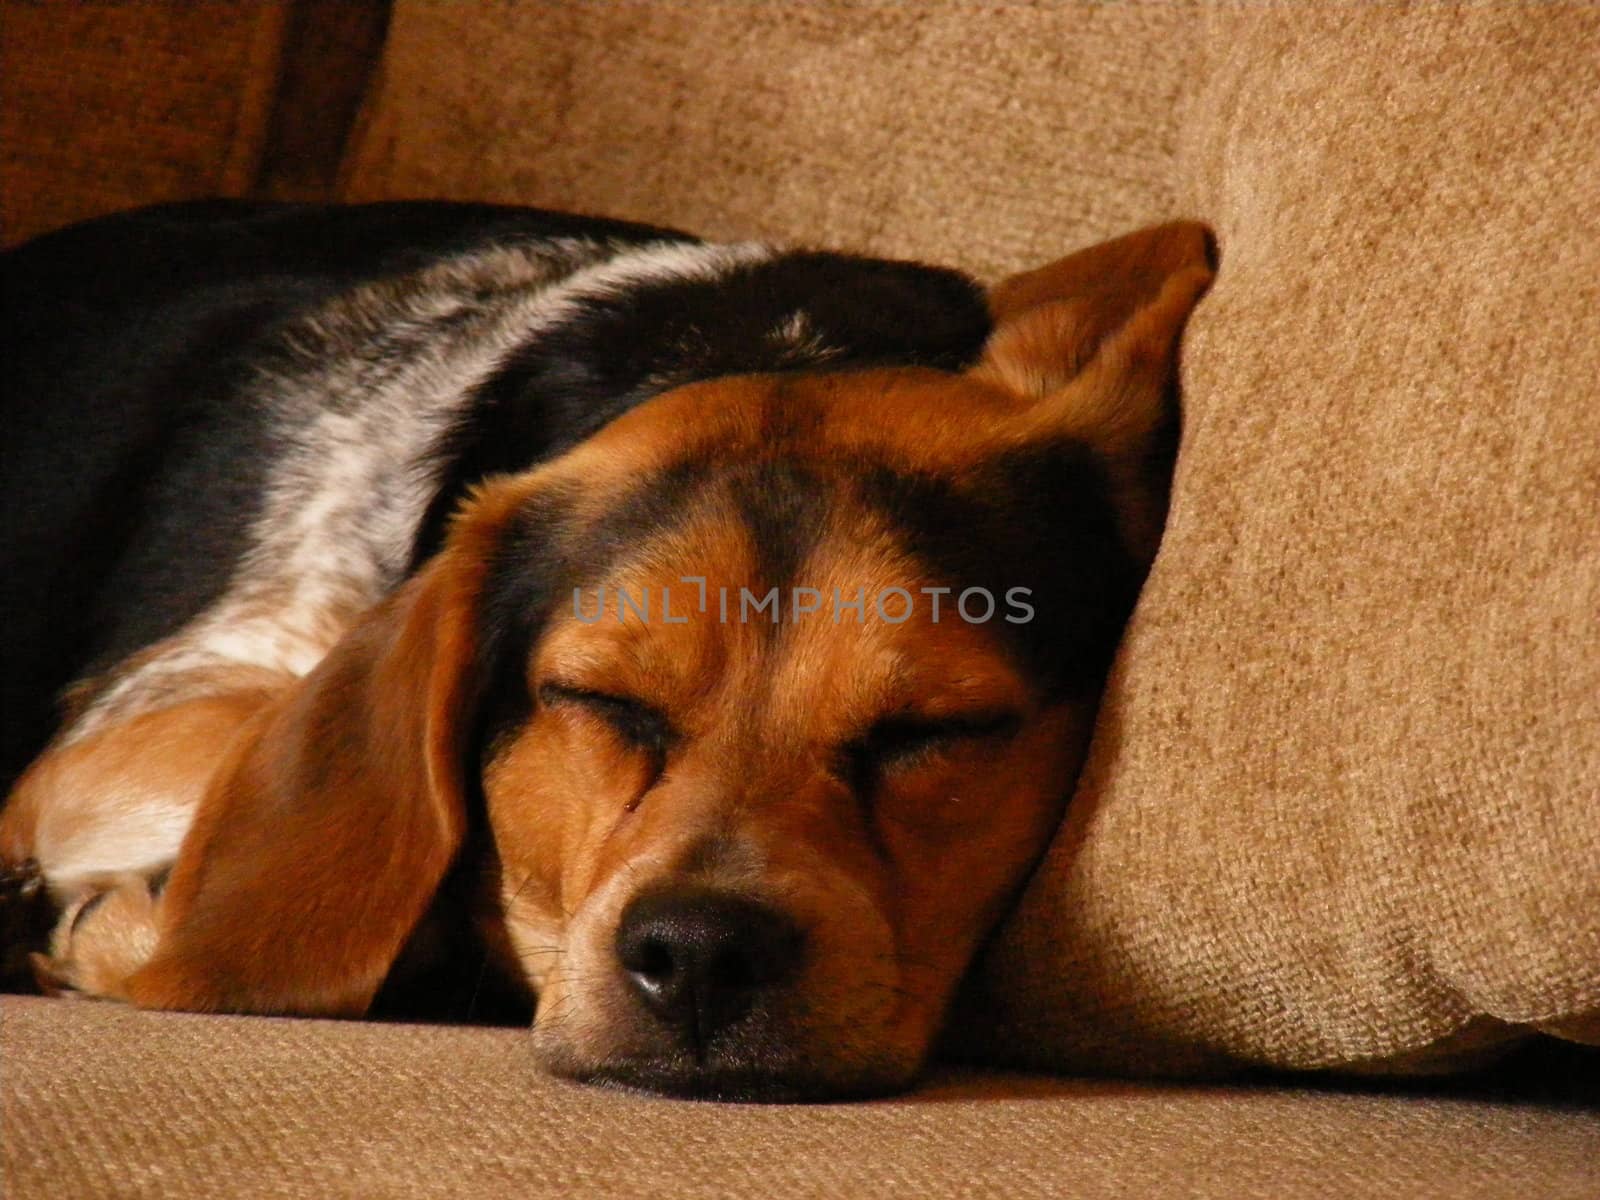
(483, 966)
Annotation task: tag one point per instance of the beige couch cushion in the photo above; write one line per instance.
(103, 106)
(996, 137)
(99, 1100)
(1344, 804)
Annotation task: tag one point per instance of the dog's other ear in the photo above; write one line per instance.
(1094, 339)
(330, 826)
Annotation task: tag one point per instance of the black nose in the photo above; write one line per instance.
(698, 958)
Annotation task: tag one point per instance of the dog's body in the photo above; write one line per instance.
(340, 527)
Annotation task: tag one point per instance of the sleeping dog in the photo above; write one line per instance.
(695, 641)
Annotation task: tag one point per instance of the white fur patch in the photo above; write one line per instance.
(361, 393)
(139, 839)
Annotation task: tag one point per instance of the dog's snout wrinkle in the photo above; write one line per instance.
(698, 959)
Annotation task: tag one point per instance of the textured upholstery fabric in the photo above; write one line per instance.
(1344, 805)
(995, 136)
(105, 105)
(105, 1102)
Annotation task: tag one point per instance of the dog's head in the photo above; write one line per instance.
(765, 698)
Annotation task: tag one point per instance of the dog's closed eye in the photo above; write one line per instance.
(636, 724)
(903, 742)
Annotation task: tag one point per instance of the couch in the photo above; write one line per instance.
(1324, 914)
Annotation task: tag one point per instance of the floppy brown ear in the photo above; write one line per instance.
(1094, 339)
(326, 833)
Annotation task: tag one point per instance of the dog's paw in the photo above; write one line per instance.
(100, 940)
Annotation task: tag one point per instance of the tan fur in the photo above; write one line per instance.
(84, 803)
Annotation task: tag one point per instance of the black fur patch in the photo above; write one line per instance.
(785, 508)
(1040, 519)
(621, 350)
